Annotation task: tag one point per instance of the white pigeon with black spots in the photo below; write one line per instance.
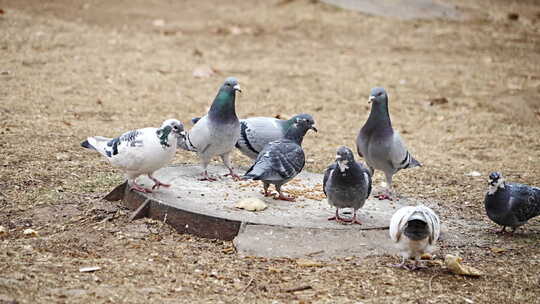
(139, 152)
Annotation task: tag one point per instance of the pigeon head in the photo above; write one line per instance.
(305, 119)
(378, 95)
(495, 181)
(298, 130)
(169, 127)
(344, 156)
(231, 85)
(223, 108)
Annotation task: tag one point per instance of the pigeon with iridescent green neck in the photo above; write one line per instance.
(216, 133)
(380, 145)
(141, 151)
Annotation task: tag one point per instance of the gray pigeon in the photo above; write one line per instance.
(281, 160)
(256, 132)
(510, 204)
(380, 145)
(415, 230)
(347, 184)
(217, 132)
(141, 151)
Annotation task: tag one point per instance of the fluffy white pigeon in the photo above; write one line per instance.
(380, 145)
(217, 132)
(141, 151)
(415, 230)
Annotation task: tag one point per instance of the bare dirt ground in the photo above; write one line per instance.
(71, 69)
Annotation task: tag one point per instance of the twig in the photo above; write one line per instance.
(299, 288)
(431, 279)
(247, 286)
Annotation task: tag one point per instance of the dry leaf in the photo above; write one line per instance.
(308, 263)
(426, 256)
(453, 263)
(251, 204)
(498, 250)
(3, 231)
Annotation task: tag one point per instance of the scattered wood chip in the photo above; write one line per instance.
(158, 22)
(513, 16)
(453, 263)
(308, 263)
(474, 174)
(426, 256)
(438, 101)
(2, 11)
(498, 250)
(30, 232)
(89, 269)
(3, 231)
(251, 204)
(299, 288)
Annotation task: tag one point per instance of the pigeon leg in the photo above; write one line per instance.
(354, 219)
(157, 183)
(137, 187)
(226, 158)
(337, 218)
(283, 197)
(207, 177)
(389, 193)
(503, 230)
(265, 186)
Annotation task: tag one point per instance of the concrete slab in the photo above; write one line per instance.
(402, 9)
(283, 229)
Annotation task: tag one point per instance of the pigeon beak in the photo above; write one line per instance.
(237, 88)
(371, 98)
(314, 129)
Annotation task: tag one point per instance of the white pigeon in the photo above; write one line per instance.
(415, 230)
(217, 132)
(140, 152)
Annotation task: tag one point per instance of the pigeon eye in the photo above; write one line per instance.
(379, 94)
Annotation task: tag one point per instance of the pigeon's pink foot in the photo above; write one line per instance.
(137, 187)
(284, 198)
(207, 177)
(157, 183)
(339, 219)
(234, 176)
(355, 220)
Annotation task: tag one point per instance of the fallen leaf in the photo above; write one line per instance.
(308, 263)
(426, 256)
(251, 204)
(438, 101)
(453, 263)
(3, 231)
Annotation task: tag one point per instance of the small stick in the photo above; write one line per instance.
(431, 279)
(300, 288)
(140, 212)
(247, 286)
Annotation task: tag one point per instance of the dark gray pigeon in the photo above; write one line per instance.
(347, 184)
(510, 204)
(380, 145)
(281, 160)
(217, 132)
(256, 132)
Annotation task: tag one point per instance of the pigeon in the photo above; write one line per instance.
(217, 132)
(141, 151)
(346, 184)
(510, 204)
(380, 145)
(415, 229)
(256, 132)
(281, 160)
